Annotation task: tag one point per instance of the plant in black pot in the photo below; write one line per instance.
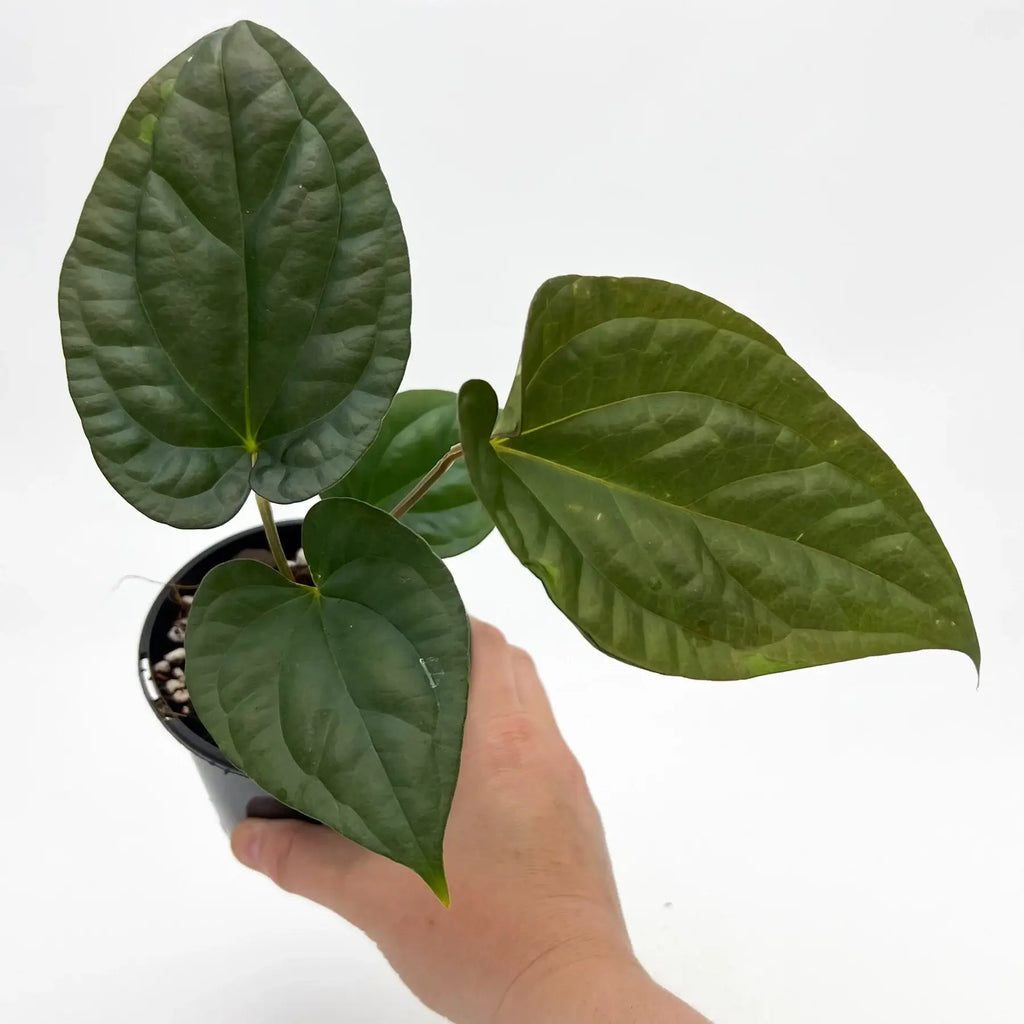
(235, 310)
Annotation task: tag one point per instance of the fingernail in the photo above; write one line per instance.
(246, 843)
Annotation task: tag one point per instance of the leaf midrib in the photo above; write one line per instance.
(305, 593)
(614, 485)
(759, 414)
(713, 642)
(337, 238)
(248, 439)
(369, 739)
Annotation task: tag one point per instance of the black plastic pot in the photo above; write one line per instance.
(233, 794)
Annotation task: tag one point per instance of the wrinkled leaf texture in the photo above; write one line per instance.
(346, 699)
(238, 285)
(693, 501)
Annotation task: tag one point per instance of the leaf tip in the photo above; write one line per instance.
(975, 655)
(438, 885)
(971, 646)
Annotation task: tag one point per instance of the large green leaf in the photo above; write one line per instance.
(420, 428)
(693, 500)
(238, 285)
(345, 700)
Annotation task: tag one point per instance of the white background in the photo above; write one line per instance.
(844, 845)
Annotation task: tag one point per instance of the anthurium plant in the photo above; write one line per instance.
(235, 311)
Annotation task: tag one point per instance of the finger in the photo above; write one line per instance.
(492, 684)
(533, 698)
(315, 862)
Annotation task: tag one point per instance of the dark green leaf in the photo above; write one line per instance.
(693, 500)
(420, 427)
(345, 700)
(238, 284)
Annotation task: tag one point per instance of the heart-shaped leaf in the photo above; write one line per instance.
(345, 700)
(418, 430)
(238, 286)
(693, 501)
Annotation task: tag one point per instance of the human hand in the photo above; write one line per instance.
(535, 932)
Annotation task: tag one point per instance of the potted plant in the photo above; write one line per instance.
(235, 311)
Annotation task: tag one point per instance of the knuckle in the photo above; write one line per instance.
(485, 633)
(522, 658)
(573, 774)
(511, 741)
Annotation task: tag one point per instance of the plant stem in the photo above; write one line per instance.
(443, 465)
(274, 539)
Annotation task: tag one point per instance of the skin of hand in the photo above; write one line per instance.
(535, 931)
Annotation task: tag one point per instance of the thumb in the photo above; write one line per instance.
(315, 862)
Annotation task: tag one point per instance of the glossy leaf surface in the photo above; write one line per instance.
(238, 284)
(345, 700)
(419, 428)
(693, 501)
